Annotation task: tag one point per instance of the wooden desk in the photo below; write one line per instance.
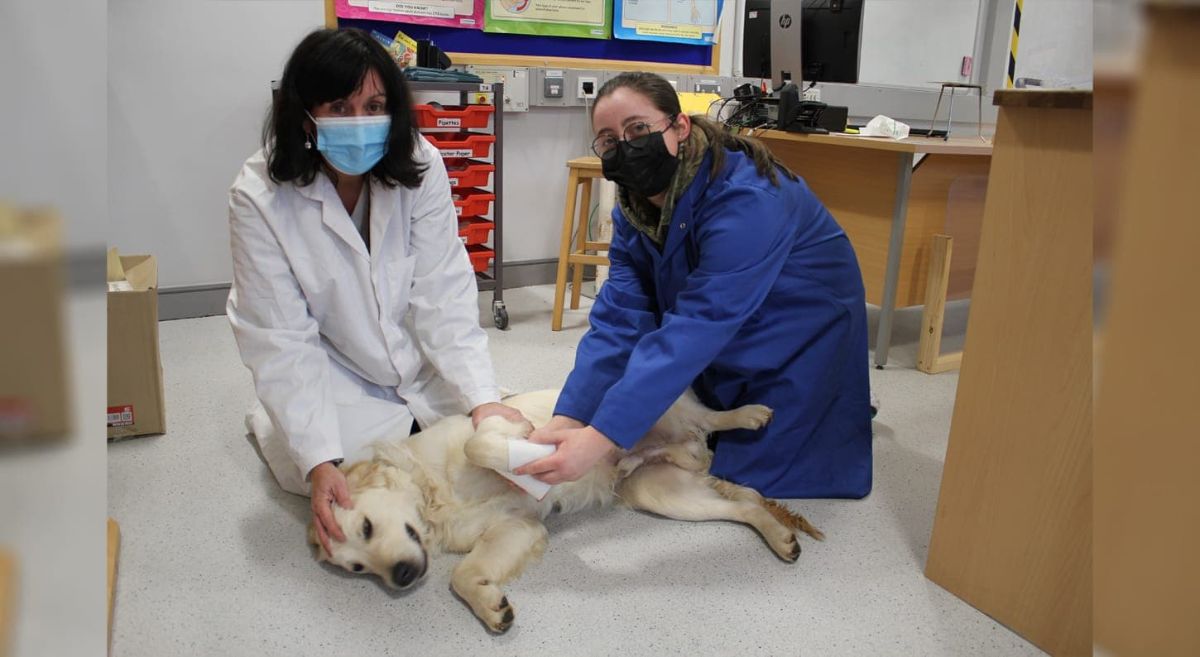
(1146, 489)
(891, 210)
(1012, 535)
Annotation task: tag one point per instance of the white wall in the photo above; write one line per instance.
(1056, 42)
(188, 89)
(52, 113)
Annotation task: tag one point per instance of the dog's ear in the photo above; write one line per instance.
(364, 474)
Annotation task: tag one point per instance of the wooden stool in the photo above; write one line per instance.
(582, 171)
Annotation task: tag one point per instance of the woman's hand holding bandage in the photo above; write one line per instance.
(579, 448)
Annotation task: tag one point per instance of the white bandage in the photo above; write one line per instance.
(520, 452)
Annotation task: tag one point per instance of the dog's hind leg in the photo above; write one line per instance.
(498, 556)
(670, 491)
(732, 491)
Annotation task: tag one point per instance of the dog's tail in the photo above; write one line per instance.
(781, 513)
(792, 519)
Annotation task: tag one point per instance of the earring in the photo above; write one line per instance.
(307, 143)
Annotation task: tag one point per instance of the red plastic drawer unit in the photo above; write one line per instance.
(480, 256)
(452, 116)
(467, 173)
(461, 144)
(471, 202)
(475, 231)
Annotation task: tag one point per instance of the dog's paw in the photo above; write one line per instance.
(499, 619)
(788, 550)
(489, 604)
(754, 416)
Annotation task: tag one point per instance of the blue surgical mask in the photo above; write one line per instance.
(353, 144)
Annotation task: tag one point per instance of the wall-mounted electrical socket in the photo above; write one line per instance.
(552, 85)
(588, 86)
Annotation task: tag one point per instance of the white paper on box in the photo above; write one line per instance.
(520, 452)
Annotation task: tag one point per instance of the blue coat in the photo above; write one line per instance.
(755, 298)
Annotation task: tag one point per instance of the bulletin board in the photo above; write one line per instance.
(467, 46)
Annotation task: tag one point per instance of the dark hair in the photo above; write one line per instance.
(665, 98)
(329, 65)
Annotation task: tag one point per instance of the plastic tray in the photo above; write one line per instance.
(480, 257)
(461, 144)
(471, 202)
(453, 116)
(468, 173)
(475, 231)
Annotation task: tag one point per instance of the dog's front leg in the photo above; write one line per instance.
(498, 556)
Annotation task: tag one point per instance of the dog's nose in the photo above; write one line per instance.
(404, 573)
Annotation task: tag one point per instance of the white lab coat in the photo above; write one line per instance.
(348, 347)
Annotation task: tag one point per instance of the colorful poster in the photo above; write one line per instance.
(676, 21)
(589, 19)
(450, 13)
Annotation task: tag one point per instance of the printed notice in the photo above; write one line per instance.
(450, 13)
(680, 21)
(576, 18)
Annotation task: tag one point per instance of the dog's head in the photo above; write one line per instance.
(386, 534)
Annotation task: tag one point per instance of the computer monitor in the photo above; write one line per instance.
(830, 35)
(785, 35)
(825, 47)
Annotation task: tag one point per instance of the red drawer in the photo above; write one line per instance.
(475, 231)
(471, 202)
(461, 144)
(452, 116)
(480, 257)
(468, 173)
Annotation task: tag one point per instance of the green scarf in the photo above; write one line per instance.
(644, 215)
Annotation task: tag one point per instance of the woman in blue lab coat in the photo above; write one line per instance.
(729, 276)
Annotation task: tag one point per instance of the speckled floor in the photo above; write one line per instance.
(214, 561)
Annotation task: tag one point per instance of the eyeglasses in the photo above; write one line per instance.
(605, 146)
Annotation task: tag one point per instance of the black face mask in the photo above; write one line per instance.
(644, 165)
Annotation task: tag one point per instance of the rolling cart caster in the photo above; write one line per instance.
(500, 315)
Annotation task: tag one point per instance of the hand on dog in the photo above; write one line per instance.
(495, 408)
(328, 487)
(579, 448)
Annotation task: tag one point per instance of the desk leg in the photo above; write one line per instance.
(887, 310)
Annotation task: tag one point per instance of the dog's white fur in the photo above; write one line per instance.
(438, 491)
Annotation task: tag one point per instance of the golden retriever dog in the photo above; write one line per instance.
(439, 491)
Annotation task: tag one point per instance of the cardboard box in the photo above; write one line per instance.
(34, 395)
(135, 384)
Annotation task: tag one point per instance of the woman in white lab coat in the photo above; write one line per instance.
(353, 302)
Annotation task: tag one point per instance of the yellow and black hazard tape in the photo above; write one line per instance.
(1012, 48)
